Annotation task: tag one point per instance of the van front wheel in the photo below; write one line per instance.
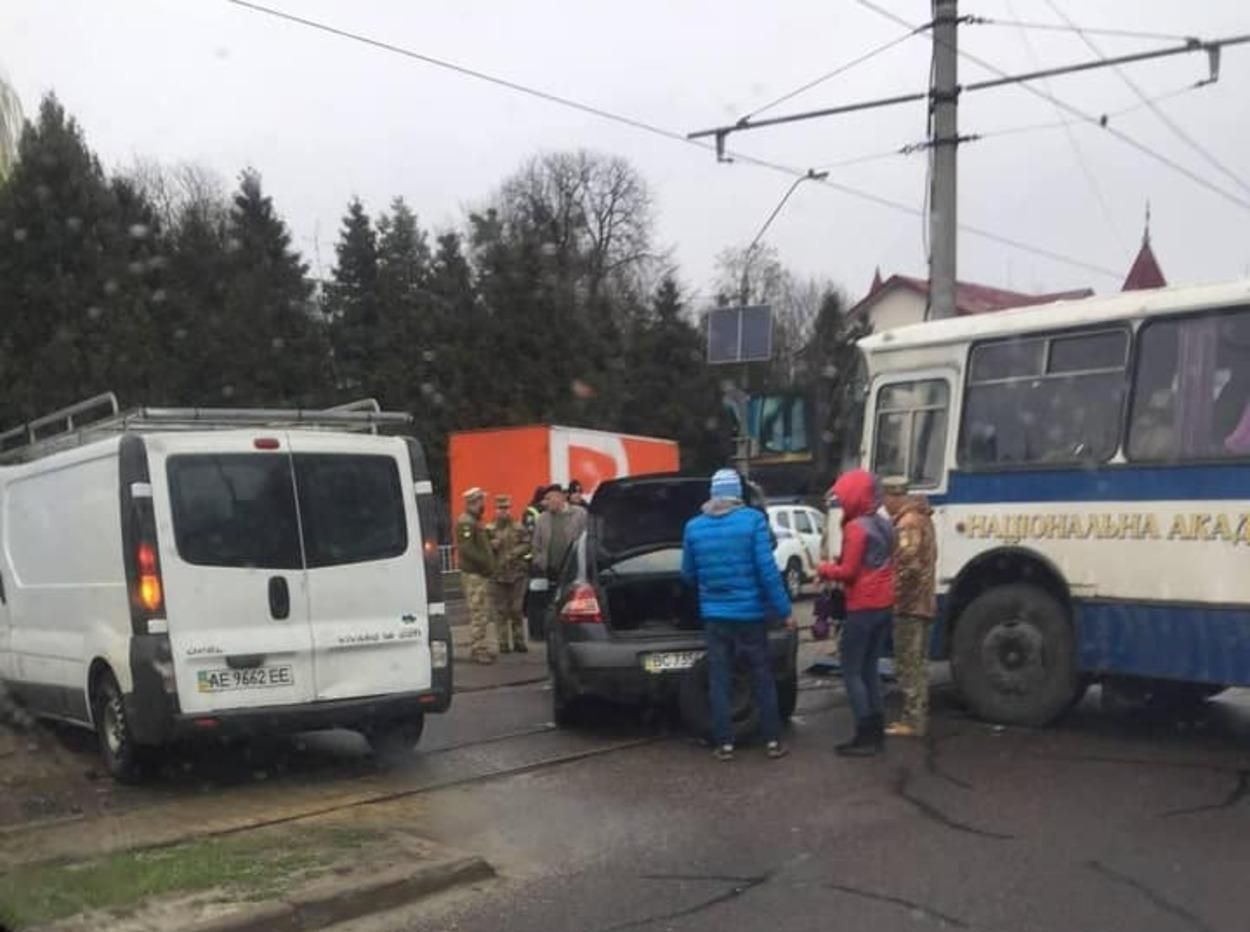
(122, 757)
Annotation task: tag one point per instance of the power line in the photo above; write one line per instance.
(790, 171)
(847, 66)
(1076, 111)
(1055, 27)
(1090, 179)
(1154, 108)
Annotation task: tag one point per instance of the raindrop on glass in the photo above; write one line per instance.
(94, 312)
(227, 391)
(180, 333)
(137, 268)
(139, 231)
(277, 343)
(19, 235)
(428, 355)
(110, 286)
(159, 295)
(74, 224)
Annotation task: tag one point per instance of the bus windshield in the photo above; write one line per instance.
(851, 402)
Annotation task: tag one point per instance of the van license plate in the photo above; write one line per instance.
(671, 661)
(220, 681)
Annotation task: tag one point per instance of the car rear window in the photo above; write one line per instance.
(235, 509)
(352, 508)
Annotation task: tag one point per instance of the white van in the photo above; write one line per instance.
(175, 572)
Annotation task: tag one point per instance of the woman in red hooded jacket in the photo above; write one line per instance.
(866, 571)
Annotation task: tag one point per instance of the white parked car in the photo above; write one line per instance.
(173, 572)
(800, 532)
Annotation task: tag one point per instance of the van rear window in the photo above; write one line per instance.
(238, 509)
(352, 507)
(235, 509)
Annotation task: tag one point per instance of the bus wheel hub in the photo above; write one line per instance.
(1012, 654)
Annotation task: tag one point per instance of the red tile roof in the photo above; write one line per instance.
(970, 298)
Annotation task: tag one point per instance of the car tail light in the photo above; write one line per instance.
(266, 443)
(582, 606)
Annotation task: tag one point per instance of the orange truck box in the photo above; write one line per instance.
(516, 460)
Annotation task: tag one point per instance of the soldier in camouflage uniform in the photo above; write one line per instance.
(477, 566)
(510, 540)
(915, 602)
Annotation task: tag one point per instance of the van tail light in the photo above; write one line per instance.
(148, 589)
(582, 606)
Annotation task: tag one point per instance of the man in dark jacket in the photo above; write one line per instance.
(727, 559)
(866, 570)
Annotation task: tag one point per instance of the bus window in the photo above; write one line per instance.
(911, 431)
(1046, 400)
(1191, 393)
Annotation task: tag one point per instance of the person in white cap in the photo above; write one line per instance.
(477, 566)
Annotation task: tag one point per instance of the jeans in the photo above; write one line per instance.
(864, 634)
(727, 640)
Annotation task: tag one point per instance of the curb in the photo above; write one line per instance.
(336, 900)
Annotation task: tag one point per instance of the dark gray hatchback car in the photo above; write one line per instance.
(624, 627)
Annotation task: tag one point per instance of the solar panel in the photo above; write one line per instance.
(740, 334)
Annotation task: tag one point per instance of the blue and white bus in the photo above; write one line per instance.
(1089, 466)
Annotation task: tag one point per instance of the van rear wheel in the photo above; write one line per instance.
(123, 759)
(393, 741)
(1014, 656)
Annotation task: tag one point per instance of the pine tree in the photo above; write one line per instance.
(279, 354)
(353, 303)
(669, 390)
(79, 275)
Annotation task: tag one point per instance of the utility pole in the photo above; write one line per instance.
(944, 205)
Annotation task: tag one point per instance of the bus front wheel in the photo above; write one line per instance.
(1013, 656)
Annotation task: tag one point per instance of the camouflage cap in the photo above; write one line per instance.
(503, 501)
(895, 485)
(474, 493)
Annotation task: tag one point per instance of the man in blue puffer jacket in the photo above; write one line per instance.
(728, 559)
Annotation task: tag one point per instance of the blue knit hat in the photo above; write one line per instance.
(726, 484)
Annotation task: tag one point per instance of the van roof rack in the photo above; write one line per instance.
(93, 417)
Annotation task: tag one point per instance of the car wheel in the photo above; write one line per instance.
(123, 759)
(787, 697)
(393, 741)
(1014, 657)
(794, 577)
(696, 708)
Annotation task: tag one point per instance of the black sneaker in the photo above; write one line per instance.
(724, 753)
(776, 750)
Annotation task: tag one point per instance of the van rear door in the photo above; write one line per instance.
(366, 568)
(236, 592)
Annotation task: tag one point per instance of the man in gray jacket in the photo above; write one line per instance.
(555, 531)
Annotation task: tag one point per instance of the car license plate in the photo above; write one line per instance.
(220, 681)
(671, 661)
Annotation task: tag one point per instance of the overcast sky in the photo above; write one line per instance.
(324, 118)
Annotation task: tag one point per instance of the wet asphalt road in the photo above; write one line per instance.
(1104, 822)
